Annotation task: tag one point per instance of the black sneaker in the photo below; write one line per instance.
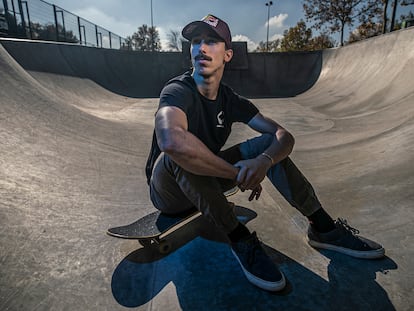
(256, 264)
(344, 239)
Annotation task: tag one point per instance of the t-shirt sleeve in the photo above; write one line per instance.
(176, 94)
(243, 110)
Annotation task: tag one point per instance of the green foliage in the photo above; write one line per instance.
(145, 39)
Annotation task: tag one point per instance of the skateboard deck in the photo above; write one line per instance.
(154, 228)
(151, 225)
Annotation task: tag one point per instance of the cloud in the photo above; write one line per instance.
(251, 45)
(277, 21)
(276, 37)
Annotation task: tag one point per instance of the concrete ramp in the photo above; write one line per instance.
(72, 161)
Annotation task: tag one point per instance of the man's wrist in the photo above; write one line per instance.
(236, 172)
(268, 157)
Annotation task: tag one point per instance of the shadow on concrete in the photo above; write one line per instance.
(352, 283)
(206, 276)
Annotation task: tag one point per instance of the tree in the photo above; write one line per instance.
(145, 39)
(48, 33)
(336, 14)
(175, 40)
(400, 23)
(274, 46)
(394, 12)
(323, 41)
(394, 25)
(299, 38)
(296, 38)
(365, 31)
(384, 16)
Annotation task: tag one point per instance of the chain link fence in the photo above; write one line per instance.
(40, 20)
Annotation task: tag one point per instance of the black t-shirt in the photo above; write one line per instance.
(209, 120)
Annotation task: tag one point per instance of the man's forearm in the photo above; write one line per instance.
(281, 146)
(193, 155)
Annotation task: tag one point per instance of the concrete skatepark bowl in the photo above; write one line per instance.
(72, 165)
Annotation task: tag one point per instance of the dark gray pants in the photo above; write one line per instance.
(174, 190)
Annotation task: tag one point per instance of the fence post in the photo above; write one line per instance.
(11, 19)
(28, 19)
(56, 23)
(6, 14)
(63, 25)
(80, 33)
(19, 3)
(96, 33)
(15, 19)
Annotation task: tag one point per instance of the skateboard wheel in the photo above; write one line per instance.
(164, 247)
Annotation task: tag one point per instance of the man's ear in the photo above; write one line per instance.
(228, 55)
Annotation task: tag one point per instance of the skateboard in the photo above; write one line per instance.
(154, 229)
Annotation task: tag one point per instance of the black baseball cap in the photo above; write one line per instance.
(209, 22)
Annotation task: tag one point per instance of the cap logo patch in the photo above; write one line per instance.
(211, 20)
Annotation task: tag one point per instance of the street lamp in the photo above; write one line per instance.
(152, 30)
(268, 4)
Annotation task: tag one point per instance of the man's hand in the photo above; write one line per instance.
(255, 193)
(251, 173)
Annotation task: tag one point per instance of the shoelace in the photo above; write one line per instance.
(344, 224)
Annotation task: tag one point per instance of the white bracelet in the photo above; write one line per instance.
(267, 156)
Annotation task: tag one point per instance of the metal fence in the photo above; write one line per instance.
(40, 20)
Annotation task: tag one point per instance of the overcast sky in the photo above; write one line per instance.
(246, 18)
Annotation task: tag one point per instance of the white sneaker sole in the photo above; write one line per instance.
(263, 284)
(374, 254)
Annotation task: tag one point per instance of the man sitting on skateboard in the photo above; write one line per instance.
(192, 124)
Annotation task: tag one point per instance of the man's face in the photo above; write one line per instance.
(209, 54)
